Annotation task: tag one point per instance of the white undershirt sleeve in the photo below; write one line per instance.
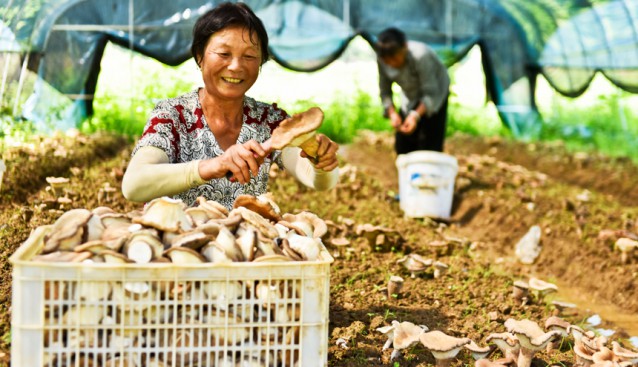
(150, 175)
(306, 173)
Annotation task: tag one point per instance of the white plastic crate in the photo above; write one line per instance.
(75, 314)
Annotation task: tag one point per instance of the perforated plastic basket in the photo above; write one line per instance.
(268, 314)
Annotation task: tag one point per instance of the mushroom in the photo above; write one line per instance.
(143, 246)
(198, 215)
(308, 247)
(624, 354)
(57, 185)
(340, 243)
(215, 210)
(406, 334)
(262, 207)
(388, 331)
(477, 351)
(578, 333)
(506, 343)
(415, 263)
(530, 337)
(442, 346)
(68, 231)
(379, 238)
(439, 269)
(440, 248)
(184, 255)
(165, 214)
(556, 323)
(520, 291)
(312, 225)
(541, 288)
(561, 307)
(626, 246)
(394, 286)
(262, 224)
(584, 356)
(298, 131)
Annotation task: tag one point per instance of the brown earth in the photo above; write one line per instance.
(502, 189)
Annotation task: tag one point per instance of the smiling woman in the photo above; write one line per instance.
(191, 142)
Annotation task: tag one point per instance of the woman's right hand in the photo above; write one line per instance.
(242, 160)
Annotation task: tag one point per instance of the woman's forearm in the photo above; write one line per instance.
(150, 175)
(306, 173)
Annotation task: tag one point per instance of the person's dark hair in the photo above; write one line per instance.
(226, 15)
(389, 42)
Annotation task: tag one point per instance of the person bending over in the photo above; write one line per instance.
(420, 122)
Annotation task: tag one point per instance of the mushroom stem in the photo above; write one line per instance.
(310, 146)
(524, 357)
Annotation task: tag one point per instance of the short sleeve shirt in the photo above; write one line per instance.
(178, 127)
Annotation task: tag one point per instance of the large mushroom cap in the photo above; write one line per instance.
(441, 345)
(262, 207)
(165, 214)
(298, 127)
(529, 334)
(406, 334)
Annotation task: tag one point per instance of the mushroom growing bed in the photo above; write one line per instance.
(583, 203)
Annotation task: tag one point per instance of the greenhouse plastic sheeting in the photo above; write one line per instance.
(63, 40)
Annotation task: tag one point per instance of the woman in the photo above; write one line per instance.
(191, 142)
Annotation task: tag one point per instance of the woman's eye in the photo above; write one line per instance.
(223, 54)
(250, 57)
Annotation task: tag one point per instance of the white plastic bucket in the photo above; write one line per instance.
(426, 183)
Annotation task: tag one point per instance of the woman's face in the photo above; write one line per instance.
(231, 62)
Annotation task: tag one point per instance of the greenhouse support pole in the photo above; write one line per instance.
(5, 76)
(23, 73)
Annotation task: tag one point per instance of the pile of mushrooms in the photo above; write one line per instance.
(517, 345)
(116, 315)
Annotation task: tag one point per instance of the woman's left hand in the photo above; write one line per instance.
(326, 153)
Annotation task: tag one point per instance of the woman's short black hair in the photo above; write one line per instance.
(389, 42)
(225, 15)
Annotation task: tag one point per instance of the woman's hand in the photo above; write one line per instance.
(326, 153)
(242, 160)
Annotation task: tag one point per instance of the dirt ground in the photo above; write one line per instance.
(582, 203)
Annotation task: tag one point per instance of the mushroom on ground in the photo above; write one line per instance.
(415, 263)
(439, 269)
(57, 185)
(562, 307)
(506, 343)
(442, 346)
(530, 337)
(379, 238)
(520, 291)
(556, 323)
(624, 354)
(394, 286)
(340, 243)
(389, 332)
(626, 246)
(406, 334)
(477, 351)
(540, 288)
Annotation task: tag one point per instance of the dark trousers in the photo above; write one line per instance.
(428, 135)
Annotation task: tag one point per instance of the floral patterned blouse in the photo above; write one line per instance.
(178, 127)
